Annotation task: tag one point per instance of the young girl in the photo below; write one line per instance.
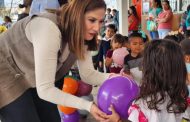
(163, 92)
(185, 45)
(116, 42)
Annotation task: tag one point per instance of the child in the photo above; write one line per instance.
(185, 45)
(108, 17)
(116, 42)
(163, 92)
(105, 44)
(126, 43)
(175, 36)
(133, 61)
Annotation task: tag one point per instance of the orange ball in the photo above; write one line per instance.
(70, 85)
(66, 110)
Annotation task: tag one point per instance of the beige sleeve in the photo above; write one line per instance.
(46, 39)
(87, 72)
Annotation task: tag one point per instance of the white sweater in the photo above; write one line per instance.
(46, 39)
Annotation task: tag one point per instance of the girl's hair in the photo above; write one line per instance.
(134, 11)
(164, 75)
(71, 20)
(185, 45)
(168, 2)
(159, 4)
(118, 38)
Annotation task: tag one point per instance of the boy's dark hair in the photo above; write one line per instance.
(114, 10)
(164, 76)
(176, 37)
(113, 27)
(136, 34)
(108, 9)
(185, 45)
(118, 38)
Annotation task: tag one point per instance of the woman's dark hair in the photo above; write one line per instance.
(185, 45)
(118, 38)
(164, 76)
(134, 11)
(176, 37)
(159, 3)
(168, 2)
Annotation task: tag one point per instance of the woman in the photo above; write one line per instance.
(165, 20)
(46, 48)
(133, 20)
(156, 8)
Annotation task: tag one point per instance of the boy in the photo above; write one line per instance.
(105, 45)
(132, 62)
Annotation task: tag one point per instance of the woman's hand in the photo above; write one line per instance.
(97, 113)
(114, 117)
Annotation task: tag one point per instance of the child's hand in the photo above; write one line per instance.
(129, 75)
(114, 117)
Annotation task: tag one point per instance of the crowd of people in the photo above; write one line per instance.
(33, 62)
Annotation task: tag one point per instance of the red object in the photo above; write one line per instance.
(134, 23)
(137, 4)
(188, 101)
(83, 89)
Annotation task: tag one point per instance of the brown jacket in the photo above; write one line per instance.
(17, 61)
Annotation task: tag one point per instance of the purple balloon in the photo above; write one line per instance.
(84, 89)
(118, 91)
(74, 117)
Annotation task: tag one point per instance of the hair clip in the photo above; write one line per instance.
(143, 34)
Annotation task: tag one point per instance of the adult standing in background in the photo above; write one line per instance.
(32, 59)
(182, 27)
(133, 19)
(165, 19)
(156, 8)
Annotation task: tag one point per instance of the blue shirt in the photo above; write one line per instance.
(39, 6)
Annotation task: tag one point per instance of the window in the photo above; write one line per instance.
(179, 5)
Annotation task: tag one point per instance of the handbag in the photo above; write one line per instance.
(151, 26)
